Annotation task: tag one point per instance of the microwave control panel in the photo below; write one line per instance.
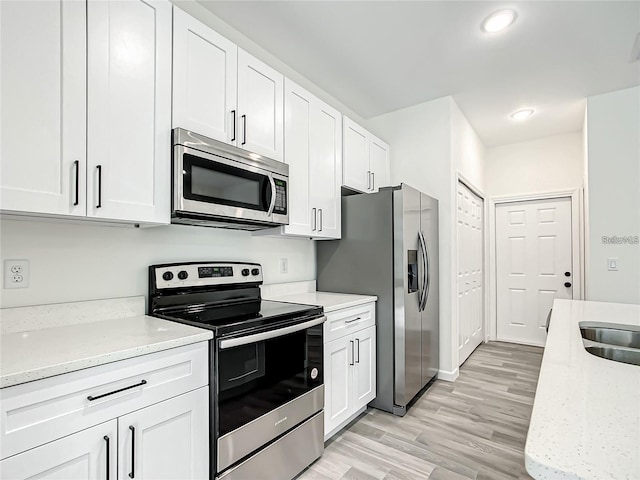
(281, 197)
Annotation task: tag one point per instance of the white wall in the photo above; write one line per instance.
(547, 164)
(74, 262)
(467, 150)
(614, 194)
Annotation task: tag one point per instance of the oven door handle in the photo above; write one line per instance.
(273, 195)
(258, 337)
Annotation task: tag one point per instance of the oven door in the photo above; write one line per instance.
(267, 383)
(222, 187)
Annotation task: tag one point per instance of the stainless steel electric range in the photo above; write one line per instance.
(266, 367)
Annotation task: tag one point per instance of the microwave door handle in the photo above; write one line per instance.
(279, 332)
(273, 196)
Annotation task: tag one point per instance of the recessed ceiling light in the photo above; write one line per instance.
(499, 21)
(522, 114)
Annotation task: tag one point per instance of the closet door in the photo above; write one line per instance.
(43, 118)
(129, 110)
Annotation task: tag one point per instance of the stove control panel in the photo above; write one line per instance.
(200, 274)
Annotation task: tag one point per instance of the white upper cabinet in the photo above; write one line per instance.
(260, 107)
(365, 159)
(313, 150)
(43, 115)
(224, 93)
(129, 110)
(205, 79)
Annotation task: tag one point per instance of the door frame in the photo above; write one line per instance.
(485, 265)
(577, 242)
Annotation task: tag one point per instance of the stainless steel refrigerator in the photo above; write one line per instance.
(389, 248)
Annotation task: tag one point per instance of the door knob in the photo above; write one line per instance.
(567, 274)
(567, 284)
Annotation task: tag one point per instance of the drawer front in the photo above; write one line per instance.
(348, 320)
(38, 412)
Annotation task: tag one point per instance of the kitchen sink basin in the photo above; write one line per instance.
(623, 355)
(613, 334)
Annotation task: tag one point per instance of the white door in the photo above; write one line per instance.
(205, 79)
(355, 157)
(168, 440)
(470, 271)
(81, 456)
(364, 384)
(43, 118)
(338, 371)
(378, 162)
(325, 169)
(297, 126)
(533, 264)
(129, 110)
(260, 107)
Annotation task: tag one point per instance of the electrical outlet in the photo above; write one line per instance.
(16, 273)
(284, 265)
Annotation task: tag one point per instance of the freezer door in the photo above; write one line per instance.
(430, 312)
(407, 318)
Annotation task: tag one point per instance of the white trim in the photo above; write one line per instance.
(577, 243)
(485, 261)
(449, 376)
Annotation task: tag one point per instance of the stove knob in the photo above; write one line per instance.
(167, 276)
(182, 275)
(245, 272)
(255, 271)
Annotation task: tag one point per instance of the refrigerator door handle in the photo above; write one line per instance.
(424, 293)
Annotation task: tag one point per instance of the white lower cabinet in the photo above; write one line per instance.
(349, 367)
(149, 416)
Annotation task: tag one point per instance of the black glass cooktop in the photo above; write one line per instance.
(239, 317)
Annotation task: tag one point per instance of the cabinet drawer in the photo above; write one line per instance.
(38, 412)
(348, 320)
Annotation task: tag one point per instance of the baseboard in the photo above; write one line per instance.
(450, 376)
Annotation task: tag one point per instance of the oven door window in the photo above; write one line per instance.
(257, 378)
(218, 183)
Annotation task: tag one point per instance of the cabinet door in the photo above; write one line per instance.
(168, 440)
(81, 456)
(205, 77)
(297, 125)
(338, 372)
(43, 118)
(260, 107)
(379, 163)
(326, 169)
(364, 384)
(129, 110)
(355, 158)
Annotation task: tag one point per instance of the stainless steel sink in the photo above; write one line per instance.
(612, 335)
(613, 341)
(623, 355)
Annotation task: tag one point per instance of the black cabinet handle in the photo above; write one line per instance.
(373, 180)
(315, 219)
(358, 342)
(91, 398)
(353, 320)
(99, 167)
(567, 284)
(77, 186)
(233, 112)
(133, 451)
(106, 439)
(244, 129)
(567, 274)
(320, 219)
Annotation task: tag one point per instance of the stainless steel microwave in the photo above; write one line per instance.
(219, 185)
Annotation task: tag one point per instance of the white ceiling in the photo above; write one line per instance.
(380, 56)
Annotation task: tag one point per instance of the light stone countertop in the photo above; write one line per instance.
(329, 301)
(34, 354)
(585, 422)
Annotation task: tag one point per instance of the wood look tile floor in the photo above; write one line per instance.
(474, 428)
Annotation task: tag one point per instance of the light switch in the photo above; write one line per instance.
(612, 264)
